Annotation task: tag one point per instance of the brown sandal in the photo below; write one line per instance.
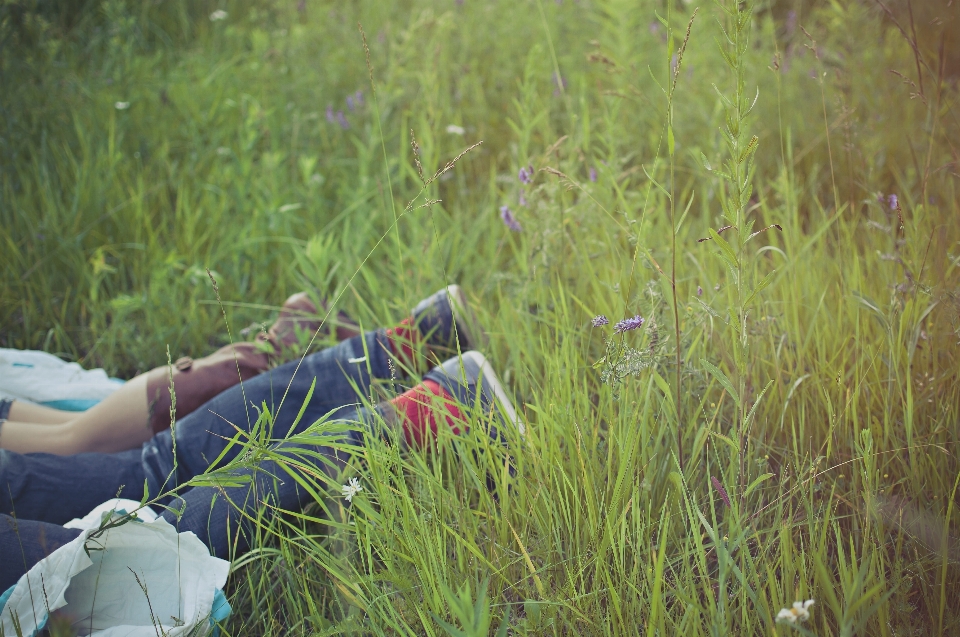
(196, 381)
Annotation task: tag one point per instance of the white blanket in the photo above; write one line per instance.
(100, 592)
(44, 379)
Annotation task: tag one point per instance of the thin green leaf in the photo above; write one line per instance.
(722, 379)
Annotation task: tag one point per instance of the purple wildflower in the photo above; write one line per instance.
(893, 202)
(600, 320)
(342, 120)
(523, 199)
(791, 23)
(593, 173)
(699, 291)
(330, 117)
(350, 102)
(358, 98)
(525, 175)
(628, 324)
(506, 215)
(720, 490)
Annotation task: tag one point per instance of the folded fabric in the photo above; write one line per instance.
(136, 579)
(44, 379)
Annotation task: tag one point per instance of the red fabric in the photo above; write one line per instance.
(404, 339)
(419, 409)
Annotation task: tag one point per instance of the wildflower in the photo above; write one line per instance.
(350, 102)
(330, 117)
(525, 175)
(351, 489)
(799, 612)
(593, 173)
(342, 120)
(893, 202)
(721, 491)
(699, 291)
(600, 320)
(453, 129)
(121, 106)
(523, 199)
(791, 23)
(358, 98)
(628, 324)
(506, 215)
(218, 15)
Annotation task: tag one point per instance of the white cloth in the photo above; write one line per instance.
(100, 593)
(43, 378)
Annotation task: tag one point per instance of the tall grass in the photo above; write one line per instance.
(836, 481)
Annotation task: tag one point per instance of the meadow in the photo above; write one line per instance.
(768, 185)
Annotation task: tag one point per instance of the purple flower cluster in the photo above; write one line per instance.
(526, 175)
(593, 173)
(353, 102)
(893, 202)
(628, 324)
(600, 320)
(337, 117)
(506, 215)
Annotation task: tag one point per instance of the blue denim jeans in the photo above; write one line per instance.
(43, 491)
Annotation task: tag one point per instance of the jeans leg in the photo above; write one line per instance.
(56, 489)
(221, 517)
(23, 543)
(340, 372)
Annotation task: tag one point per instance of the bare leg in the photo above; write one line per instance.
(23, 411)
(119, 422)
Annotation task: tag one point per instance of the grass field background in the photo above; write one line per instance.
(143, 143)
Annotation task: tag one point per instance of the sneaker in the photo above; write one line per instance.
(470, 378)
(447, 323)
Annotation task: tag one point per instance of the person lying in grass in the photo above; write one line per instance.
(44, 491)
(141, 407)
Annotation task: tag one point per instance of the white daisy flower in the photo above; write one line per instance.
(218, 15)
(351, 489)
(799, 612)
(121, 106)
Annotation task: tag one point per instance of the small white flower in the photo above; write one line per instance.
(121, 106)
(455, 130)
(218, 15)
(800, 612)
(351, 489)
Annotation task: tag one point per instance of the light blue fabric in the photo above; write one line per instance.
(219, 613)
(73, 404)
(6, 596)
